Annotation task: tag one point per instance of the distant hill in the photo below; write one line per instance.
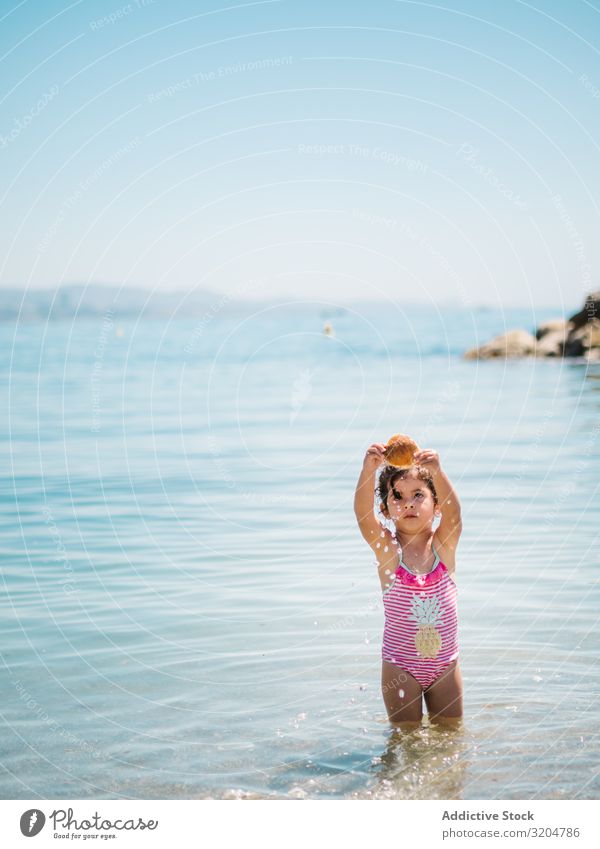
(94, 300)
(79, 301)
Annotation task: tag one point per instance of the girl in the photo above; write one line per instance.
(416, 569)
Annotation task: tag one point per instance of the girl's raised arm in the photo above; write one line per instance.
(450, 527)
(370, 528)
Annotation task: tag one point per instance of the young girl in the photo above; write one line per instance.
(416, 569)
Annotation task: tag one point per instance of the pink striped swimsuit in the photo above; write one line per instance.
(421, 625)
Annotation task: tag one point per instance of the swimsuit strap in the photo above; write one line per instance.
(435, 563)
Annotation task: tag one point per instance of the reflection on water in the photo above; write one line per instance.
(426, 763)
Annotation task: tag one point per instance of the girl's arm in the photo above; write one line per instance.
(450, 527)
(364, 511)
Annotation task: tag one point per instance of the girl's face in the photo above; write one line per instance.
(410, 503)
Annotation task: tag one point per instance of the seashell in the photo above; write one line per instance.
(400, 450)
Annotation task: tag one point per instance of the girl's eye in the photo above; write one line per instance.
(398, 497)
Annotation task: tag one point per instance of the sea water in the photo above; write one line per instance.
(189, 610)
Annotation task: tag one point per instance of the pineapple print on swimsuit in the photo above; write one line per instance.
(427, 613)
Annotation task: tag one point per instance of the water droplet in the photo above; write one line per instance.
(378, 545)
(367, 640)
(386, 548)
(401, 693)
(382, 534)
(315, 622)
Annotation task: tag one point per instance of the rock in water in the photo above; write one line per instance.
(577, 336)
(516, 343)
(551, 344)
(580, 341)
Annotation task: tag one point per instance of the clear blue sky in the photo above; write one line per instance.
(325, 149)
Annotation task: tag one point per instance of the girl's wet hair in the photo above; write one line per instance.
(390, 474)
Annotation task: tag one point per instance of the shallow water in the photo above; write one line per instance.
(189, 610)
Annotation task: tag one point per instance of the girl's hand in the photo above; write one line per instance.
(428, 458)
(375, 456)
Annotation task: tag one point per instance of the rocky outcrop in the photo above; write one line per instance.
(580, 341)
(590, 311)
(577, 336)
(517, 343)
